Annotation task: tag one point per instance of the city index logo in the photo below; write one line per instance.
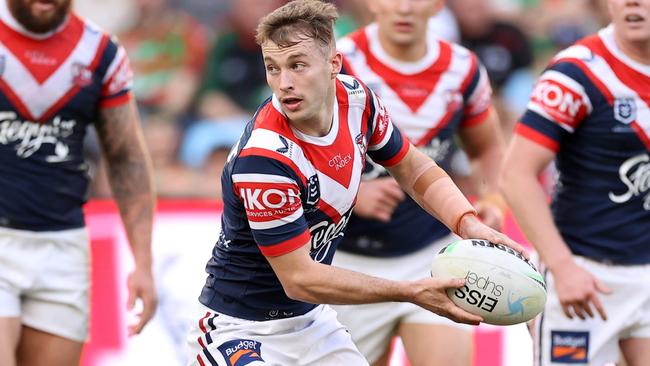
(240, 352)
(268, 199)
(570, 347)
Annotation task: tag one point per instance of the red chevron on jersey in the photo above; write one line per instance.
(413, 90)
(425, 96)
(55, 73)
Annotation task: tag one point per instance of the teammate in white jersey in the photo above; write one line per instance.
(434, 90)
(590, 111)
(58, 75)
(289, 187)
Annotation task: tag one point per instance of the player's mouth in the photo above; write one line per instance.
(43, 6)
(403, 27)
(291, 103)
(634, 18)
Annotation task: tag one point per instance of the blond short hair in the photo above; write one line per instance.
(299, 20)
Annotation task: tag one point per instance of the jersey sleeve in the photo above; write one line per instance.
(558, 104)
(269, 191)
(386, 145)
(118, 79)
(477, 95)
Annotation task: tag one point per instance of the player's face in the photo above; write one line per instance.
(403, 22)
(631, 19)
(301, 77)
(40, 16)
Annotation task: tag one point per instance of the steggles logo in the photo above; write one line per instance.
(635, 174)
(31, 135)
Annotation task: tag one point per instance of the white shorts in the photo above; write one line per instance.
(372, 325)
(564, 341)
(315, 338)
(44, 280)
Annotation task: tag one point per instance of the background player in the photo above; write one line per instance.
(290, 184)
(590, 112)
(432, 89)
(58, 74)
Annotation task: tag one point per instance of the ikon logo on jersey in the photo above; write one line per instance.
(240, 352)
(562, 103)
(268, 201)
(570, 347)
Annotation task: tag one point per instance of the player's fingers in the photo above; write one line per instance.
(446, 283)
(130, 301)
(461, 316)
(601, 287)
(395, 192)
(505, 240)
(587, 309)
(578, 309)
(599, 307)
(565, 310)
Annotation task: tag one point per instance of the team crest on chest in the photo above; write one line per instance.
(82, 76)
(313, 190)
(625, 110)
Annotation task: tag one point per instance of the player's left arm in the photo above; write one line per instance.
(431, 187)
(130, 176)
(484, 145)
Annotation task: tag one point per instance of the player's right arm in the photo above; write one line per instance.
(534, 146)
(305, 280)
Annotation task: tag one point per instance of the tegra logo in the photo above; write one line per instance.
(323, 233)
(31, 136)
(635, 174)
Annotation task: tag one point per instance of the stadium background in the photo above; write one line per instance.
(198, 78)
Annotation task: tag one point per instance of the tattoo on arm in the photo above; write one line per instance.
(129, 173)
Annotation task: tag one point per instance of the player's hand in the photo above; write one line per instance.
(470, 227)
(491, 210)
(431, 294)
(577, 290)
(141, 286)
(378, 198)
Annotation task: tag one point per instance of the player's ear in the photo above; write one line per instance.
(337, 64)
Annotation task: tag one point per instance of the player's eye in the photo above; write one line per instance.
(298, 66)
(271, 69)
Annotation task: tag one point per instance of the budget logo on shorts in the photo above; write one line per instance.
(625, 110)
(240, 352)
(570, 347)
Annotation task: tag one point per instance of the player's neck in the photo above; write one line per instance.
(406, 53)
(638, 51)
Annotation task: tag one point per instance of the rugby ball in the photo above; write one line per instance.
(500, 285)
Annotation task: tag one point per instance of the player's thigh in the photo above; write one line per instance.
(372, 326)
(9, 336)
(636, 351)
(437, 344)
(37, 348)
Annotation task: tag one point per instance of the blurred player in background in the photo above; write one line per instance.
(590, 111)
(289, 187)
(432, 89)
(58, 75)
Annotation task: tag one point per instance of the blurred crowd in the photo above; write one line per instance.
(199, 74)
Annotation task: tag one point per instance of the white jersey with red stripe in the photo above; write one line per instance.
(283, 189)
(429, 101)
(592, 107)
(52, 87)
